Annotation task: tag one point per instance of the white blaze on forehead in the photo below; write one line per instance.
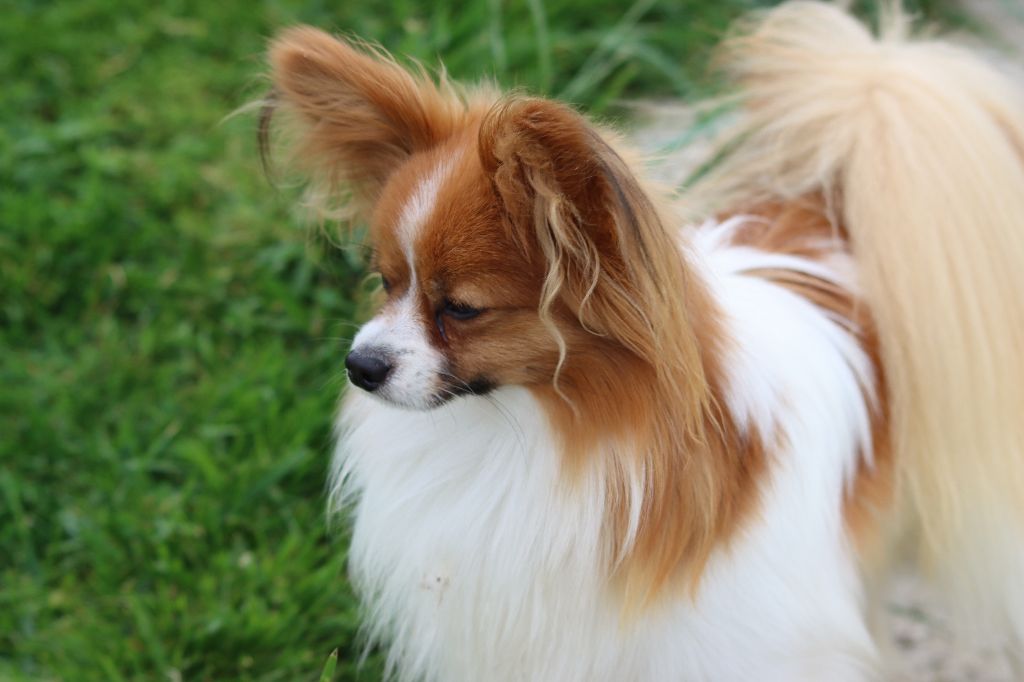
(422, 203)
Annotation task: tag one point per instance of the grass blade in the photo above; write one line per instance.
(540, 26)
(328, 672)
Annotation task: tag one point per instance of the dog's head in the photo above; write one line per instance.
(514, 245)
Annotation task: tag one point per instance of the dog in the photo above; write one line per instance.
(599, 432)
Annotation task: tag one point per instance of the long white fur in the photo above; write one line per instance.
(477, 562)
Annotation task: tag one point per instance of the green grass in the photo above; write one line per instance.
(172, 335)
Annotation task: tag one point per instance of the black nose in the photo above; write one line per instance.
(366, 371)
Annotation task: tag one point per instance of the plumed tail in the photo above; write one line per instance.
(919, 148)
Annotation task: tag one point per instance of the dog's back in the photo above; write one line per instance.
(918, 147)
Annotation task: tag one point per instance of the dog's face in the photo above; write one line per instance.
(461, 309)
(506, 232)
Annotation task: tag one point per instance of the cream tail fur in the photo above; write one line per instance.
(919, 146)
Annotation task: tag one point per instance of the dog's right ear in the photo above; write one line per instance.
(359, 113)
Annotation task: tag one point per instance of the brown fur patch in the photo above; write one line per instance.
(802, 228)
(697, 491)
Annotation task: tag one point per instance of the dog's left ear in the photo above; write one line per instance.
(360, 114)
(568, 194)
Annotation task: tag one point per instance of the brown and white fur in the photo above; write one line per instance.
(597, 443)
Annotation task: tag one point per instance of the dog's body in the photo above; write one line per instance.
(480, 564)
(604, 445)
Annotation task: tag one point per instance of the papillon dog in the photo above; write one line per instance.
(600, 432)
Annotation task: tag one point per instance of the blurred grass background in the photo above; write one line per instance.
(172, 335)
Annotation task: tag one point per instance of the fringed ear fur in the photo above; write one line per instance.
(358, 113)
(619, 269)
(567, 192)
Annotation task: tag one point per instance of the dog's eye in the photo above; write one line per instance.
(385, 284)
(459, 311)
(456, 311)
